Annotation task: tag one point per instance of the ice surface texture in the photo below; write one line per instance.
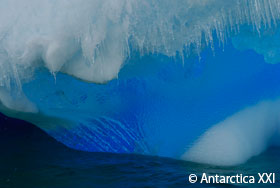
(91, 40)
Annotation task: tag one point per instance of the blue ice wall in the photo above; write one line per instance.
(142, 76)
(158, 105)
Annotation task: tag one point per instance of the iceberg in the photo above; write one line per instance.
(155, 77)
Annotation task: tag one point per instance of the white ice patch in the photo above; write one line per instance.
(239, 137)
(18, 103)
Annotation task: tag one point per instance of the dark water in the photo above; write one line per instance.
(30, 158)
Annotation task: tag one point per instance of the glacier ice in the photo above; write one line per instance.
(239, 137)
(92, 40)
(267, 44)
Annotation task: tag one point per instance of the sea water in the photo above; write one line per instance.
(31, 158)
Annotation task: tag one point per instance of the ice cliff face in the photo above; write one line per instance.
(92, 40)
